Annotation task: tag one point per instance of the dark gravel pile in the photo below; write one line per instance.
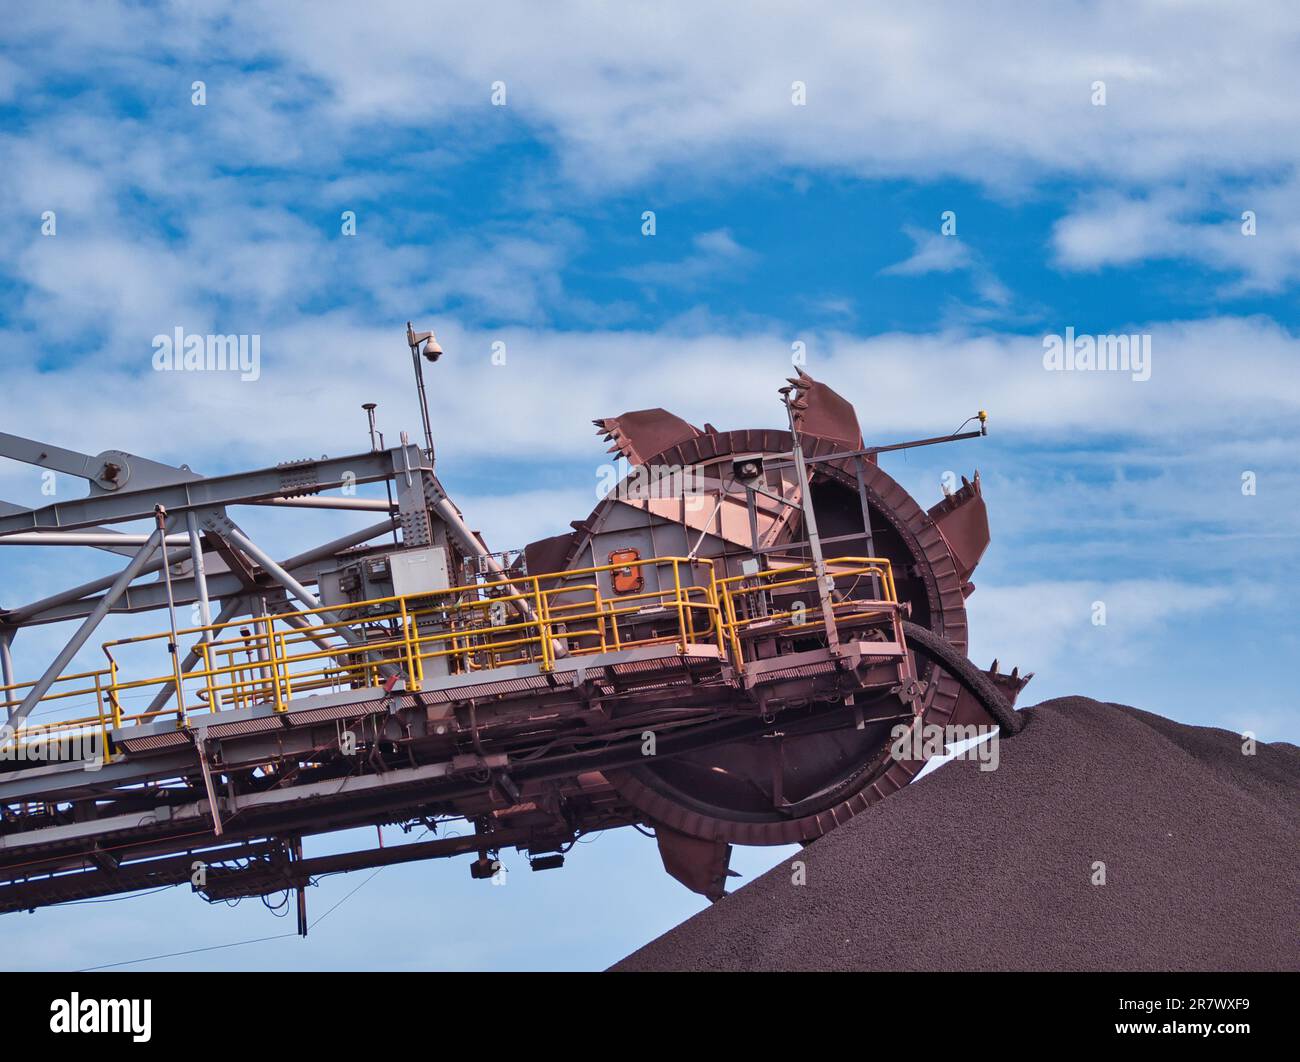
(993, 870)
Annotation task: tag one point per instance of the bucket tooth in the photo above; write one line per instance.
(642, 433)
(818, 410)
(1009, 685)
(963, 521)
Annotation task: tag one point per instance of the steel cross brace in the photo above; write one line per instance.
(294, 478)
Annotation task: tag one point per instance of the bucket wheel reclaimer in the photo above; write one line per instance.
(813, 765)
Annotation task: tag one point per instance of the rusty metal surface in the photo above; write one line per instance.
(963, 520)
(822, 412)
(701, 865)
(637, 434)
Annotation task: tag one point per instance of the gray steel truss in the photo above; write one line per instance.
(285, 480)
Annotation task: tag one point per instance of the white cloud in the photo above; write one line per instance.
(914, 90)
(689, 97)
(316, 371)
(1050, 622)
(932, 252)
(712, 253)
(1117, 229)
(514, 519)
(954, 89)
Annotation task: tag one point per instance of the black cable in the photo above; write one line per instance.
(189, 951)
(115, 899)
(241, 943)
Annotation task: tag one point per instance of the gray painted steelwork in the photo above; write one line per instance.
(301, 477)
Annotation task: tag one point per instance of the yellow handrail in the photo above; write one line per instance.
(560, 611)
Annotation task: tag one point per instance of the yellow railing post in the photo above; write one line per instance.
(738, 657)
(103, 719)
(416, 648)
(543, 625)
(599, 605)
(275, 664)
(206, 653)
(681, 612)
(718, 617)
(412, 680)
(288, 678)
(689, 609)
(112, 694)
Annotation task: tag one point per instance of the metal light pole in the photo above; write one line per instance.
(432, 351)
(810, 523)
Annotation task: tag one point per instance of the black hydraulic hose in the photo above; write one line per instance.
(959, 666)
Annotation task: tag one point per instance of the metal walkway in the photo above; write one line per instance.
(390, 709)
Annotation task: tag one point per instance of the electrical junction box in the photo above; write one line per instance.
(425, 571)
(410, 573)
(419, 571)
(398, 574)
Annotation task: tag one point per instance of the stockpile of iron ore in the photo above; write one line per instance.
(1000, 870)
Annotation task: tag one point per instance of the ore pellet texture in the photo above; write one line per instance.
(998, 870)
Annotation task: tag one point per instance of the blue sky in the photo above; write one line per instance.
(776, 223)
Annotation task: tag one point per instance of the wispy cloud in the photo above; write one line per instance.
(1250, 231)
(688, 88)
(1195, 381)
(714, 255)
(934, 252)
